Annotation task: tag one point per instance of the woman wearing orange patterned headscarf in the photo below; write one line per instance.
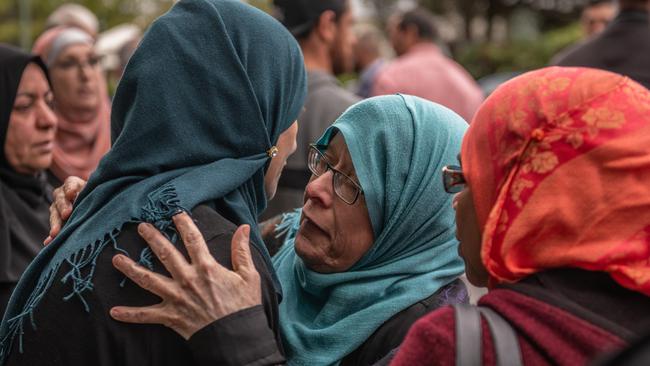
(554, 218)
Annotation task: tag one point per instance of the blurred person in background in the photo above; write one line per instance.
(423, 70)
(324, 30)
(80, 101)
(74, 15)
(368, 58)
(623, 47)
(27, 130)
(595, 17)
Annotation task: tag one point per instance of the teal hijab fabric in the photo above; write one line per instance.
(398, 146)
(209, 90)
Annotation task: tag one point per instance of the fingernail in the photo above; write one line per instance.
(117, 259)
(247, 230)
(143, 227)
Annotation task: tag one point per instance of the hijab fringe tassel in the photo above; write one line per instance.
(162, 204)
(288, 222)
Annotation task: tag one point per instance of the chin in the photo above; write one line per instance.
(299, 244)
(304, 250)
(41, 164)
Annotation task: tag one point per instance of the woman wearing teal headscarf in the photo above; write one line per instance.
(372, 250)
(213, 86)
(397, 144)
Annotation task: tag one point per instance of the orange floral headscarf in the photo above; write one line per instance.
(558, 161)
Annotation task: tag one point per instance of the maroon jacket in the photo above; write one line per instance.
(560, 330)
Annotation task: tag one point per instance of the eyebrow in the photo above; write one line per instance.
(33, 95)
(349, 174)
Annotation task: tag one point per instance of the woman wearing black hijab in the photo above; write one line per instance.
(27, 127)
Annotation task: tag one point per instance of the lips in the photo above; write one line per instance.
(44, 146)
(308, 224)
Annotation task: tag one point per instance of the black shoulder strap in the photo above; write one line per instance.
(468, 337)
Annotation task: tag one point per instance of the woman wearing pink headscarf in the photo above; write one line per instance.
(81, 102)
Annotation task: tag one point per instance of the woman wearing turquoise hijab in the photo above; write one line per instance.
(345, 308)
(372, 250)
(202, 122)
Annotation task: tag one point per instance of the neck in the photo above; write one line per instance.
(421, 43)
(317, 58)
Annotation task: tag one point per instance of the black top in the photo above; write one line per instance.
(24, 199)
(24, 224)
(241, 334)
(592, 296)
(624, 48)
(391, 334)
(637, 354)
(68, 335)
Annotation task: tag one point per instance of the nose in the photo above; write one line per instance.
(46, 118)
(320, 189)
(85, 70)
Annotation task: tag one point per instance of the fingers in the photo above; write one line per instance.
(61, 208)
(242, 261)
(156, 314)
(168, 255)
(55, 224)
(72, 186)
(150, 281)
(192, 238)
(141, 315)
(62, 205)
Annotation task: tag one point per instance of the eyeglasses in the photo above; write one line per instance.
(68, 65)
(453, 179)
(344, 187)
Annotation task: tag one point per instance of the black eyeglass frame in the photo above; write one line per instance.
(313, 148)
(453, 179)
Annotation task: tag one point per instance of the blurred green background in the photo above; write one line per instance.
(485, 36)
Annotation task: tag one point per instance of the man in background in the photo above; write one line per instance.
(368, 57)
(324, 30)
(594, 18)
(423, 70)
(623, 47)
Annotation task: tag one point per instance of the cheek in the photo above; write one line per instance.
(62, 86)
(18, 139)
(354, 235)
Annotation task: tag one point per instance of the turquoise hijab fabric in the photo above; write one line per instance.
(209, 90)
(398, 146)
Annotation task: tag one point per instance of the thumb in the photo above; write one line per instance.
(242, 261)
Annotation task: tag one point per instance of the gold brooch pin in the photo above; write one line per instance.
(272, 152)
